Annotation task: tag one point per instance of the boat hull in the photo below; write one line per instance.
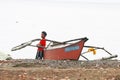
(70, 52)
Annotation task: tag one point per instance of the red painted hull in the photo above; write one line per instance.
(70, 52)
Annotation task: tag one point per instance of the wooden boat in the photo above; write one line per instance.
(65, 50)
(68, 51)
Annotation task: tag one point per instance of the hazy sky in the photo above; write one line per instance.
(23, 20)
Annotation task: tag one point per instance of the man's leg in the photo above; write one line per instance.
(41, 54)
(37, 55)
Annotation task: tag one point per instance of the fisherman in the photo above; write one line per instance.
(41, 46)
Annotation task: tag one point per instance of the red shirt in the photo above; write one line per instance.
(42, 43)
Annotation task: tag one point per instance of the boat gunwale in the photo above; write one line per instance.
(67, 45)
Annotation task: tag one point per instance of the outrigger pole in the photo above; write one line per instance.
(84, 57)
(28, 43)
(102, 48)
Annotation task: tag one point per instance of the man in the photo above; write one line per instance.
(41, 45)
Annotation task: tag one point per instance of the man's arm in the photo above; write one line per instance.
(40, 46)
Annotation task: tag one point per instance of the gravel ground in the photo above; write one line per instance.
(61, 63)
(30, 69)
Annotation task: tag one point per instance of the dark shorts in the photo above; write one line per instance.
(39, 55)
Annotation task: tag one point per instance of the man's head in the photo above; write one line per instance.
(43, 34)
